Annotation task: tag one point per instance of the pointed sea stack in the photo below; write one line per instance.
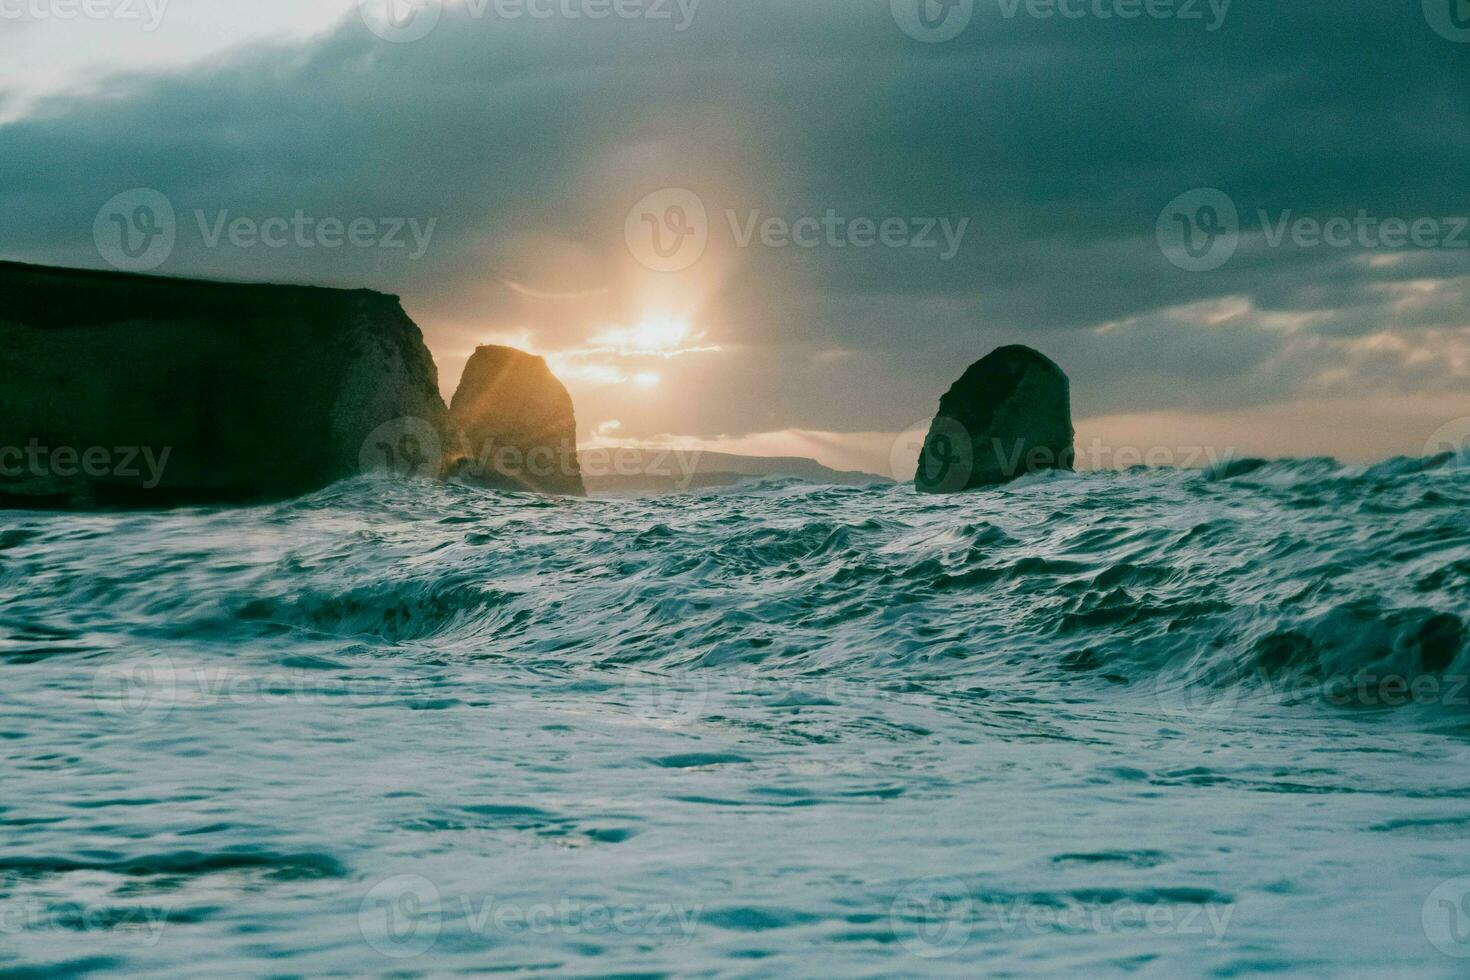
(124, 390)
(518, 423)
(1010, 415)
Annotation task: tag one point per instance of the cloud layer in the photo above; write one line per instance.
(1055, 141)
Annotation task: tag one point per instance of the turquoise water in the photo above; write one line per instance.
(1156, 722)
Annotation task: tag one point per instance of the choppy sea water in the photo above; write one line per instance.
(1158, 722)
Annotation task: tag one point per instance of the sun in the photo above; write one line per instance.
(633, 355)
(661, 333)
(656, 335)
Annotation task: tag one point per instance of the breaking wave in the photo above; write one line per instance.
(246, 723)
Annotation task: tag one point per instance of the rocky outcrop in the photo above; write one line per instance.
(145, 391)
(1010, 415)
(518, 424)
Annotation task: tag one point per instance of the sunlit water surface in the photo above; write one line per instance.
(1150, 722)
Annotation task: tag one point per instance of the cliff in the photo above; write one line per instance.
(146, 391)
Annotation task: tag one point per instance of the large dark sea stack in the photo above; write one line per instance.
(518, 423)
(1010, 415)
(125, 390)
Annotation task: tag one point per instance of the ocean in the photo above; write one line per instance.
(1156, 722)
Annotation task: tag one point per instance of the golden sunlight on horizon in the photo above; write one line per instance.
(614, 354)
(654, 336)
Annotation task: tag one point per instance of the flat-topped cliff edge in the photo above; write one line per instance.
(132, 390)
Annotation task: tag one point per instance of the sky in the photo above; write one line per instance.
(787, 226)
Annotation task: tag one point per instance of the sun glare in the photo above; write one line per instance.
(661, 333)
(630, 355)
(656, 335)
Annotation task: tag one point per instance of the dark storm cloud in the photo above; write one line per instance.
(1059, 141)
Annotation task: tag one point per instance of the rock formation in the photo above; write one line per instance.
(518, 424)
(1010, 415)
(145, 391)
